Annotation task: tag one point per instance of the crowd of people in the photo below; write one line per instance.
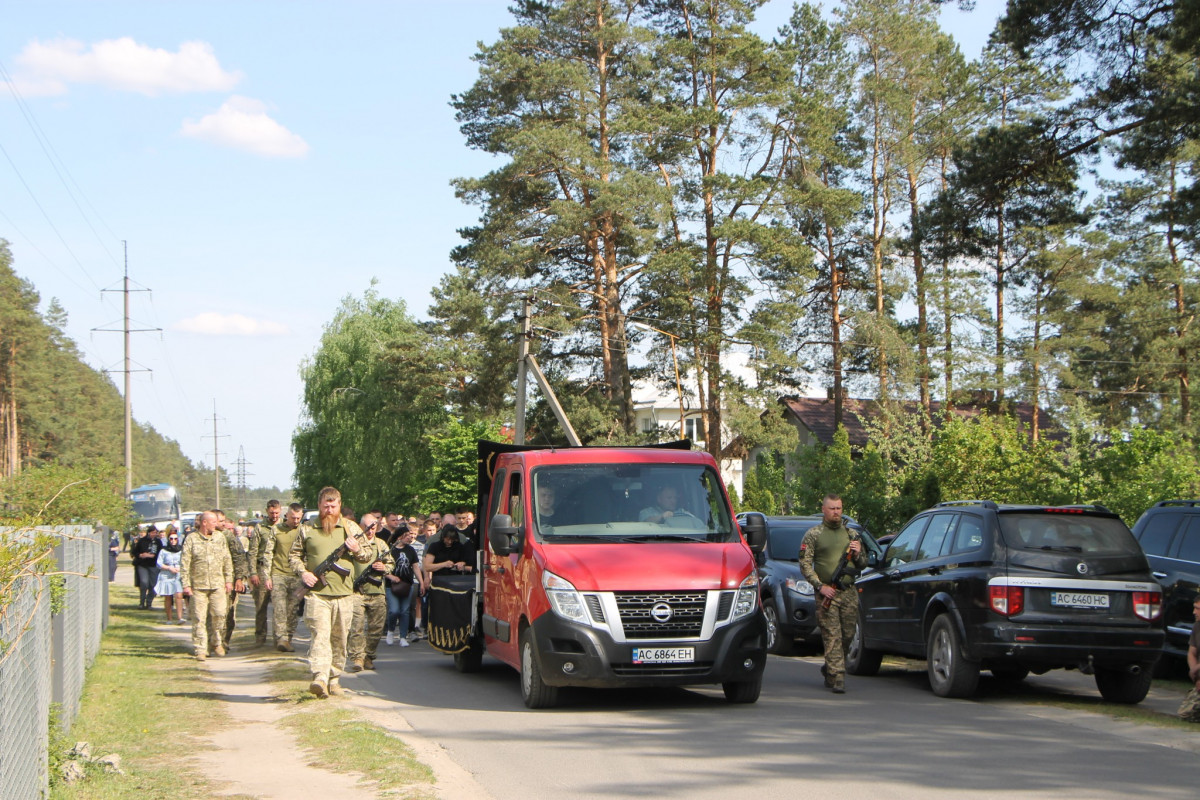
(375, 592)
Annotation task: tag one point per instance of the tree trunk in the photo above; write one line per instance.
(1182, 320)
(922, 309)
(1000, 275)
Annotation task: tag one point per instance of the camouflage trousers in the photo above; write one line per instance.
(328, 620)
(370, 616)
(262, 609)
(208, 617)
(285, 607)
(837, 631)
(1189, 710)
(231, 604)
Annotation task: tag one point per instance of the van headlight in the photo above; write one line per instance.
(747, 598)
(564, 599)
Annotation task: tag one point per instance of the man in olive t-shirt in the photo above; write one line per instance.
(837, 605)
(329, 604)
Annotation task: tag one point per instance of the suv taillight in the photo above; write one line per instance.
(1007, 600)
(1147, 605)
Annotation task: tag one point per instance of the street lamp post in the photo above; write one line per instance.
(675, 360)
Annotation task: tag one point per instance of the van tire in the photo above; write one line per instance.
(743, 691)
(471, 659)
(534, 690)
(951, 674)
(1123, 686)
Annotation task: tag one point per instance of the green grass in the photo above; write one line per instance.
(291, 679)
(145, 699)
(337, 740)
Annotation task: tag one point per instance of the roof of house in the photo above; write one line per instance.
(816, 414)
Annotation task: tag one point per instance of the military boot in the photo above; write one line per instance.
(318, 688)
(335, 686)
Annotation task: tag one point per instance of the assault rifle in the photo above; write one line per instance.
(846, 562)
(330, 563)
(366, 577)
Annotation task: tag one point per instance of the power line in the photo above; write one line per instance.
(54, 159)
(49, 221)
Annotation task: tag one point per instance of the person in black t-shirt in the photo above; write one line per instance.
(448, 553)
(145, 558)
(405, 584)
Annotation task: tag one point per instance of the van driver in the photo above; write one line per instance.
(666, 505)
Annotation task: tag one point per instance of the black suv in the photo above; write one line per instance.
(971, 585)
(787, 598)
(1169, 534)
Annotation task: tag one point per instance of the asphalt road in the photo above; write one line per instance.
(888, 737)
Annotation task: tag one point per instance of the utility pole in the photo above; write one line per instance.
(241, 478)
(125, 290)
(526, 362)
(216, 455)
(522, 370)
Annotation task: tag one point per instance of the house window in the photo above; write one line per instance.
(693, 428)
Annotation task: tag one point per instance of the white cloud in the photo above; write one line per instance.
(211, 323)
(243, 124)
(47, 68)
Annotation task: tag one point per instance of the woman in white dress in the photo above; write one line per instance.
(169, 587)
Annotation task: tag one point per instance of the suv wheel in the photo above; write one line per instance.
(777, 643)
(950, 673)
(862, 660)
(1123, 686)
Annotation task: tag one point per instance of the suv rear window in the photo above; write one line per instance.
(1067, 533)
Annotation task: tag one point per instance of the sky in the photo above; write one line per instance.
(260, 161)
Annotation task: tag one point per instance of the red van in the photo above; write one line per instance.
(607, 567)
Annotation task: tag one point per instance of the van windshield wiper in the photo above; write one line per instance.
(1064, 548)
(661, 537)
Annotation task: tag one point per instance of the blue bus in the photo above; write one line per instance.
(156, 503)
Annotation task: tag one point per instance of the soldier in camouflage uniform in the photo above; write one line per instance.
(241, 572)
(262, 595)
(329, 604)
(370, 603)
(820, 551)
(1190, 709)
(275, 574)
(206, 572)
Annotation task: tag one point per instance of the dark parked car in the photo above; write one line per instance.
(973, 585)
(1169, 534)
(787, 598)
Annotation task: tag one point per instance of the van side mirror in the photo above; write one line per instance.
(754, 526)
(504, 537)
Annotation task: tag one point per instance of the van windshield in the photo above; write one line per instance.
(630, 502)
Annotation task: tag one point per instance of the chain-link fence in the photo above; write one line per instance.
(45, 657)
